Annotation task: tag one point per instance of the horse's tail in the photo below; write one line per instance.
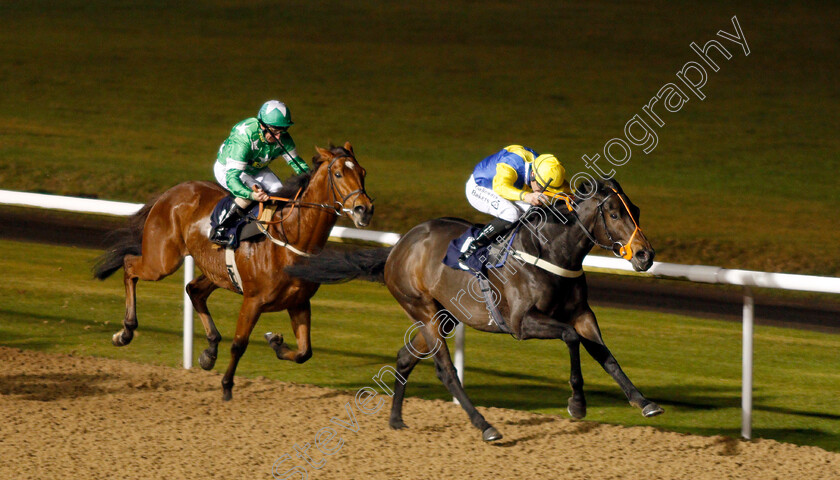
(124, 241)
(334, 266)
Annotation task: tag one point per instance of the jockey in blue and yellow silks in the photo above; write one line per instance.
(506, 183)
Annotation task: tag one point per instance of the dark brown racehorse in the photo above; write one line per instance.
(178, 224)
(534, 302)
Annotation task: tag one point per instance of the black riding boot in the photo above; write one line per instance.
(486, 236)
(229, 218)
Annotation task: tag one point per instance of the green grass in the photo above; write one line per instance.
(690, 366)
(123, 99)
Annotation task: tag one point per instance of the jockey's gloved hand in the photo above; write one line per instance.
(259, 195)
(535, 198)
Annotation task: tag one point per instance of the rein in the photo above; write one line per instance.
(625, 250)
(336, 208)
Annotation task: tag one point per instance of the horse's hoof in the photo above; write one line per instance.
(398, 425)
(227, 395)
(206, 361)
(118, 341)
(577, 410)
(273, 339)
(490, 434)
(652, 410)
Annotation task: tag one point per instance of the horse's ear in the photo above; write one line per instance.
(613, 183)
(349, 148)
(323, 154)
(585, 188)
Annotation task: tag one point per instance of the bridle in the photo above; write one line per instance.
(336, 208)
(625, 250)
(340, 203)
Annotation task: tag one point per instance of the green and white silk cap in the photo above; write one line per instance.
(275, 114)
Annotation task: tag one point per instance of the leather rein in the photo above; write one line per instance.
(336, 208)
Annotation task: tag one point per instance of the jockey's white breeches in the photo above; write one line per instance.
(265, 178)
(487, 201)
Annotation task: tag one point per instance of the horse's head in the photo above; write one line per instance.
(616, 223)
(347, 182)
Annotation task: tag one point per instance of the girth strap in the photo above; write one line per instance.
(233, 272)
(492, 309)
(547, 266)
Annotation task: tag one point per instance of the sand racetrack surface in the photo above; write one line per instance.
(93, 418)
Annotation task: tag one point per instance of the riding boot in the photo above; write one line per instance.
(233, 214)
(486, 236)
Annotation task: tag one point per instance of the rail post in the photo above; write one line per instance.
(459, 354)
(747, 364)
(189, 269)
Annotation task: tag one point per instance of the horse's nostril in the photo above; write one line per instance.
(642, 255)
(360, 210)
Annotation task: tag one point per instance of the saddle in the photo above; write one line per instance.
(246, 228)
(493, 256)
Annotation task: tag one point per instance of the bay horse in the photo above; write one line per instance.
(534, 302)
(177, 224)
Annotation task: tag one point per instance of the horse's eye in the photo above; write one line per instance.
(337, 175)
(614, 216)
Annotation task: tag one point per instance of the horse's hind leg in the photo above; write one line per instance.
(445, 370)
(423, 310)
(587, 327)
(199, 290)
(124, 336)
(447, 374)
(248, 316)
(407, 358)
(150, 266)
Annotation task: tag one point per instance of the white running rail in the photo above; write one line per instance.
(692, 273)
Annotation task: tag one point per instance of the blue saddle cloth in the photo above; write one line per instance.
(235, 230)
(481, 258)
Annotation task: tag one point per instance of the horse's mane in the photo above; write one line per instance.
(297, 182)
(293, 184)
(583, 194)
(605, 186)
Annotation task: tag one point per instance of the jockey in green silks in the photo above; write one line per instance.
(506, 184)
(243, 160)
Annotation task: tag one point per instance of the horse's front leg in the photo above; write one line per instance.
(537, 325)
(587, 326)
(248, 316)
(301, 316)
